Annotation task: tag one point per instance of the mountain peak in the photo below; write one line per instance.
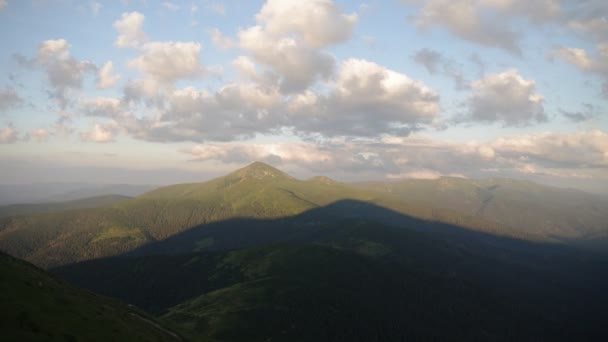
(259, 170)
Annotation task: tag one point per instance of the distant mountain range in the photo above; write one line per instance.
(60, 192)
(258, 255)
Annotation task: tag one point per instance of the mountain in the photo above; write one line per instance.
(522, 206)
(515, 209)
(90, 202)
(38, 307)
(62, 192)
(359, 280)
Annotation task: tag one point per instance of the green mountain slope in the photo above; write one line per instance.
(38, 307)
(520, 205)
(357, 280)
(36, 208)
(260, 191)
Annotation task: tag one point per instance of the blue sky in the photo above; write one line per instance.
(352, 90)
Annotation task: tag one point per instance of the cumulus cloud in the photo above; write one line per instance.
(505, 98)
(167, 62)
(9, 99)
(8, 135)
(318, 23)
(130, 29)
(289, 37)
(105, 76)
(99, 133)
(365, 99)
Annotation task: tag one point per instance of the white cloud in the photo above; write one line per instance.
(99, 133)
(297, 65)
(168, 62)
(365, 99)
(289, 36)
(8, 135)
(102, 107)
(219, 40)
(105, 76)
(318, 23)
(304, 153)
(130, 30)
(506, 98)
(578, 149)
(597, 65)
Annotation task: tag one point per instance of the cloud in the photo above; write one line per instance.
(297, 65)
(219, 40)
(435, 62)
(9, 99)
(167, 62)
(39, 135)
(430, 59)
(597, 65)
(242, 153)
(318, 23)
(486, 22)
(8, 135)
(505, 98)
(95, 7)
(64, 73)
(588, 112)
(578, 155)
(365, 99)
(102, 107)
(583, 149)
(105, 77)
(99, 133)
(170, 6)
(3, 4)
(289, 37)
(130, 30)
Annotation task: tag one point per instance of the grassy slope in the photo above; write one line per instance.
(520, 205)
(38, 307)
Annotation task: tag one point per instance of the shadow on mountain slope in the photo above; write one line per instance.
(360, 261)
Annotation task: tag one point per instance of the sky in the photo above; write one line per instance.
(162, 92)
